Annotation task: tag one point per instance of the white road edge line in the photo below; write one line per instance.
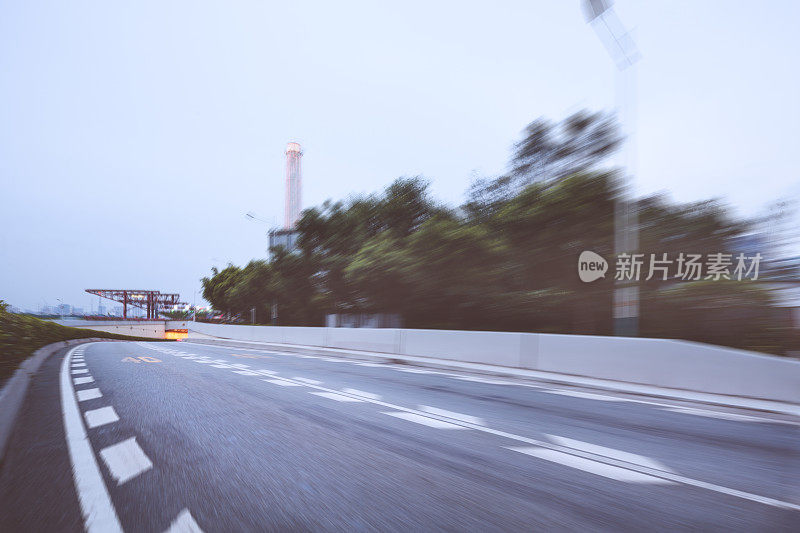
(98, 512)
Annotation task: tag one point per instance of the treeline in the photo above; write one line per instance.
(507, 258)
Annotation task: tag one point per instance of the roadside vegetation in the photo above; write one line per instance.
(506, 259)
(22, 335)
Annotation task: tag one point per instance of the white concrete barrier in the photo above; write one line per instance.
(659, 362)
(149, 329)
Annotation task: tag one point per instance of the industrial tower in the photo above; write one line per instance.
(294, 184)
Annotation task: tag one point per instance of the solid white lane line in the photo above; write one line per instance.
(81, 381)
(184, 523)
(240, 365)
(308, 381)
(485, 380)
(80, 371)
(371, 364)
(715, 414)
(453, 415)
(88, 394)
(282, 383)
(424, 420)
(246, 372)
(100, 417)
(592, 467)
(609, 452)
(265, 372)
(586, 395)
(357, 392)
(337, 397)
(221, 366)
(203, 361)
(98, 512)
(125, 460)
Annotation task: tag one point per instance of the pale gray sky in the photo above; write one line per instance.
(134, 136)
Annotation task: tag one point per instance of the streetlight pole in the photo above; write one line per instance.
(622, 49)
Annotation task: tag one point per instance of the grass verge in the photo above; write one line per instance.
(21, 335)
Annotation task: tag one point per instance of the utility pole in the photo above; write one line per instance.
(622, 49)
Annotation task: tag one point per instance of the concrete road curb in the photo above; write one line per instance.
(13, 393)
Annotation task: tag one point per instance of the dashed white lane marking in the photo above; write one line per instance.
(184, 523)
(371, 364)
(357, 392)
(78, 365)
(308, 381)
(125, 460)
(100, 417)
(240, 365)
(627, 457)
(450, 414)
(282, 383)
(202, 361)
(246, 372)
(586, 395)
(221, 366)
(716, 414)
(98, 512)
(587, 465)
(337, 397)
(80, 371)
(265, 372)
(81, 381)
(424, 420)
(88, 394)
(333, 360)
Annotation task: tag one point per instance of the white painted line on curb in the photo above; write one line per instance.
(184, 523)
(81, 381)
(357, 392)
(592, 467)
(450, 414)
(337, 397)
(125, 460)
(585, 395)
(98, 512)
(485, 380)
(424, 420)
(88, 394)
(100, 417)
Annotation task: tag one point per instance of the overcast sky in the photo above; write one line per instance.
(134, 136)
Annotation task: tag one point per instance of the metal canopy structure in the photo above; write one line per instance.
(150, 301)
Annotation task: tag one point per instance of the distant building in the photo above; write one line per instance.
(287, 238)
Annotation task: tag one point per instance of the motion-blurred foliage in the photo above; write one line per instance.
(506, 260)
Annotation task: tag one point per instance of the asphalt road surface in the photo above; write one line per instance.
(188, 437)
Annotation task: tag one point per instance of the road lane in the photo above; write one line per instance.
(755, 456)
(237, 449)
